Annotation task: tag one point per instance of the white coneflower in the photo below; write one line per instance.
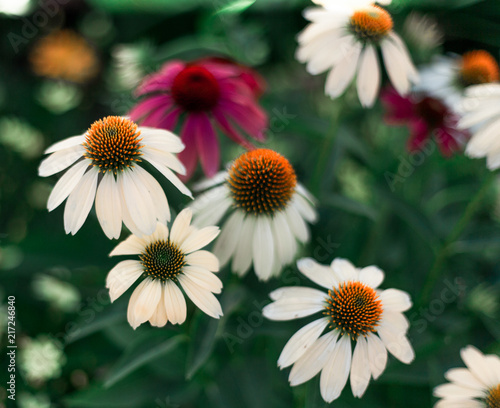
(355, 312)
(447, 77)
(166, 261)
(106, 168)
(476, 386)
(481, 107)
(343, 37)
(267, 212)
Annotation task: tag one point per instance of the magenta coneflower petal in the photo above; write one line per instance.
(448, 143)
(419, 134)
(146, 107)
(230, 131)
(162, 80)
(170, 120)
(207, 145)
(254, 124)
(189, 155)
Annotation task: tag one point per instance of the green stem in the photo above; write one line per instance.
(437, 268)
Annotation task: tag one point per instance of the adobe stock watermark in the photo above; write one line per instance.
(279, 120)
(452, 291)
(47, 9)
(407, 165)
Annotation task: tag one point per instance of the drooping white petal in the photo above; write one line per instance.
(397, 343)
(148, 295)
(304, 207)
(210, 207)
(243, 254)
(108, 206)
(360, 368)
(203, 258)
(175, 304)
(395, 300)
(314, 359)
(395, 320)
(66, 184)
(203, 278)
(319, 274)
(162, 156)
(80, 202)
(297, 224)
(226, 243)
(122, 276)
(301, 341)
(159, 317)
(60, 160)
(160, 202)
(204, 299)
(368, 81)
(284, 240)
(343, 73)
(395, 66)
(377, 355)
(336, 370)
(263, 248)
(170, 175)
(198, 239)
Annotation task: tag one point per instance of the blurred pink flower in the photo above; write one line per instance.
(203, 95)
(425, 117)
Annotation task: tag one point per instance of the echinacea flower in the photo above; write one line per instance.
(266, 212)
(343, 38)
(64, 55)
(447, 77)
(427, 118)
(105, 166)
(476, 386)
(481, 107)
(209, 94)
(168, 259)
(356, 312)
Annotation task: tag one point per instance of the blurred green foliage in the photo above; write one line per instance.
(343, 153)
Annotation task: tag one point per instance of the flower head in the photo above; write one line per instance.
(266, 212)
(355, 311)
(343, 37)
(447, 77)
(209, 93)
(478, 385)
(426, 116)
(167, 259)
(481, 107)
(105, 165)
(64, 55)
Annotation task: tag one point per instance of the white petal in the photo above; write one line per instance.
(175, 304)
(397, 343)
(371, 276)
(297, 292)
(301, 341)
(108, 206)
(377, 355)
(225, 245)
(169, 174)
(455, 403)
(203, 278)
(198, 239)
(210, 207)
(60, 160)
(343, 73)
(289, 308)
(180, 227)
(263, 248)
(305, 208)
(395, 300)
(159, 318)
(397, 321)
(66, 143)
(484, 141)
(297, 224)
(66, 184)
(344, 270)
(464, 378)
(314, 359)
(219, 178)
(479, 366)
(162, 156)
(335, 372)
(243, 255)
(131, 246)
(160, 202)
(204, 259)
(368, 81)
(145, 302)
(284, 240)
(360, 369)
(319, 274)
(122, 276)
(453, 391)
(395, 66)
(80, 202)
(161, 139)
(201, 297)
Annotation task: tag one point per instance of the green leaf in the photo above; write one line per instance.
(238, 6)
(139, 354)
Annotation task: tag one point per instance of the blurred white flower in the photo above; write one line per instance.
(58, 97)
(343, 38)
(128, 63)
(355, 310)
(21, 137)
(41, 359)
(476, 386)
(422, 32)
(61, 295)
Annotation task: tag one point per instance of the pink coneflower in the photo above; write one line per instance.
(206, 92)
(425, 116)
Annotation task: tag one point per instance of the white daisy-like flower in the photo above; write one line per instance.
(343, 37)
(105, 166)
(267, 213)
(447, 77)
(167, 260)
(481, 107)
(476, 386)
(355, 312)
